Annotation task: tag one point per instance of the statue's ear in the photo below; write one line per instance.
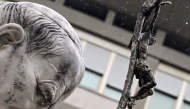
(11, 33)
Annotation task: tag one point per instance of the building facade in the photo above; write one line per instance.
(105, 30)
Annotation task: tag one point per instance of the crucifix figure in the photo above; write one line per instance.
(141, 40)
(142, 70)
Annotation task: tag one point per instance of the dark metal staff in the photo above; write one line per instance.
(139, 47)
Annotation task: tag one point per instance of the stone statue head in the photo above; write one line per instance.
(41, 60)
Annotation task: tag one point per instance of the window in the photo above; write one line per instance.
(117, 77)
(112, 93)
(168, 84)
(177, 42)
(161, 101)
(91, 80)
(187, 93)
(96, 58)
(91, 8)
(124, 21)
(186, 105)
(166, 91)
(118, 72)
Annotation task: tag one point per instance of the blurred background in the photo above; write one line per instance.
(105, 28)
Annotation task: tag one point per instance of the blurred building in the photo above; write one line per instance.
(105, 29)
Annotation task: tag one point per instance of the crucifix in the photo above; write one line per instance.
(141, 40)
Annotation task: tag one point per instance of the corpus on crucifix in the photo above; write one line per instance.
(141, 40)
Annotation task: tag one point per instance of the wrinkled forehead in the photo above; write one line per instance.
(46, 30)
(58, 19)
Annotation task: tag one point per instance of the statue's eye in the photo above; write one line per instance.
(45, 91)
(43, 103)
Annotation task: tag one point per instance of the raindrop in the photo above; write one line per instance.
(186, 23)
(187, 7)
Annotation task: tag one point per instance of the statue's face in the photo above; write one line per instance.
(28, 82)
(33, 81)
(40, 61)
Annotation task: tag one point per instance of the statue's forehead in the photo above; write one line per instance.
(58, 19)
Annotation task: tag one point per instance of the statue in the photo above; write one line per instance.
(142, 38)
(41, 60)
